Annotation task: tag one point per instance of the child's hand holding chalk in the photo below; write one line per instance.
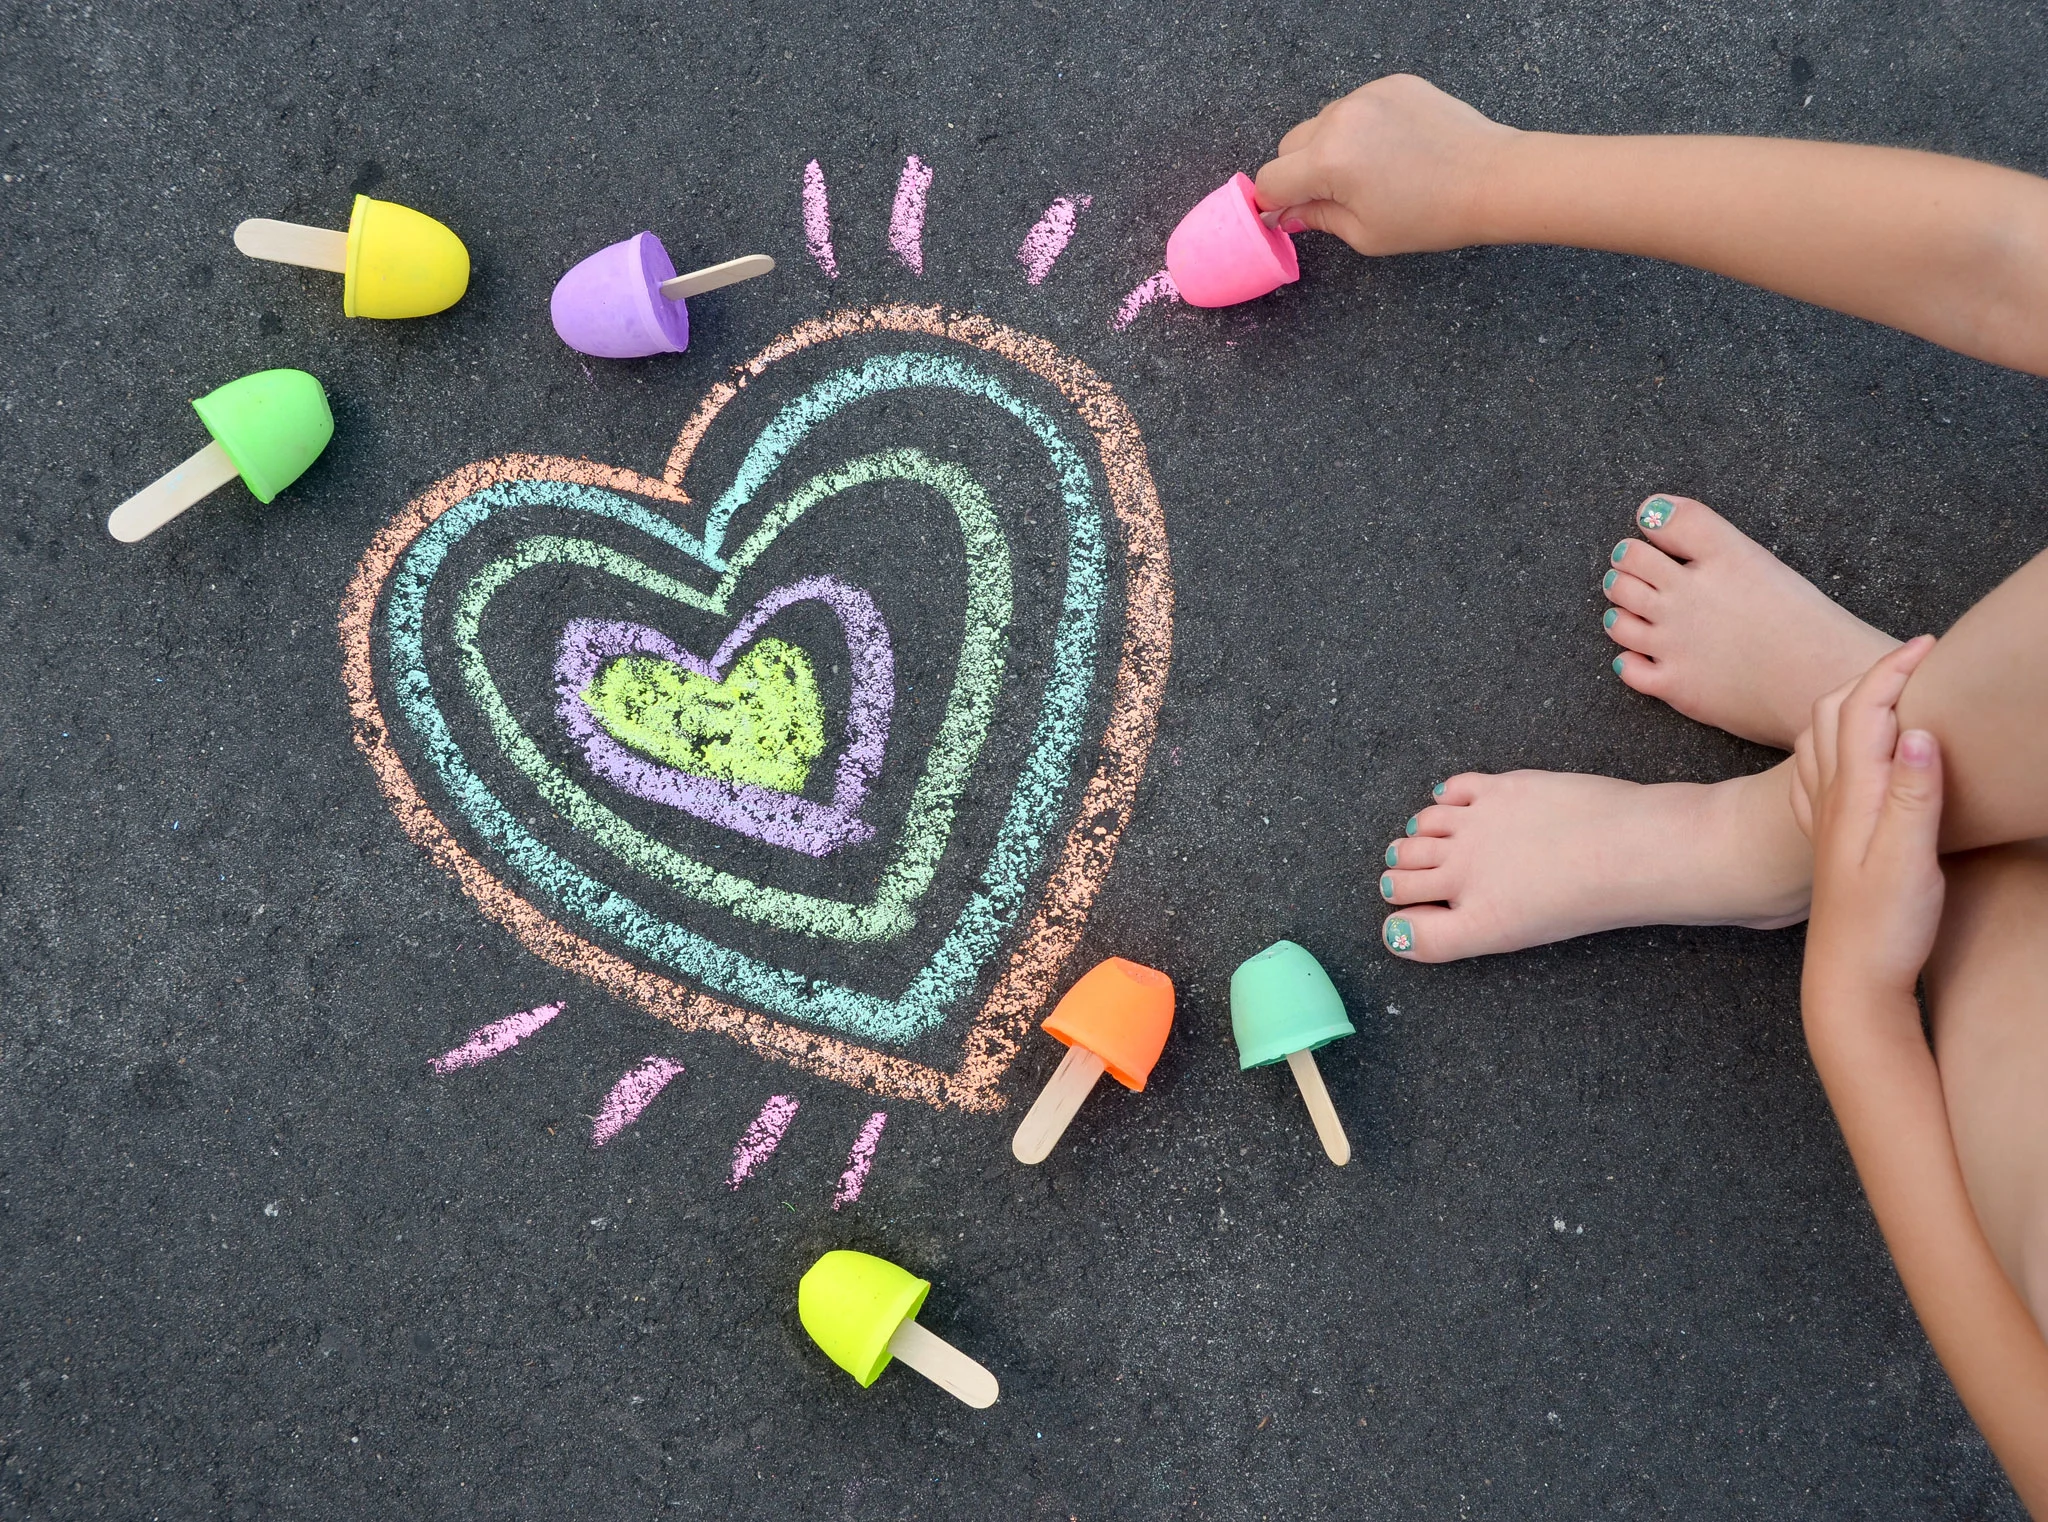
(1395, 167)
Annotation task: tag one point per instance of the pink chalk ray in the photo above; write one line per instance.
(860, 1160)
(818, 220)
(761, 1138)
(631, 1096)
(1159, 287)
(906, 219)
(499, 1036)
(1049, 237)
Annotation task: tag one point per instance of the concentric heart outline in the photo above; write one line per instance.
(1099, 819)
(1033, 805)
(969, 706)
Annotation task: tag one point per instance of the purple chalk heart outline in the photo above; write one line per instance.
(781, 819)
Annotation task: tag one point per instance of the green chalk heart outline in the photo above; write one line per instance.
(963, 729)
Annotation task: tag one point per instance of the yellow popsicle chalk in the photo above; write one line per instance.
(394, 261)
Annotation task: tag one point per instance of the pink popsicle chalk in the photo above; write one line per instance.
(1222, 253)
(626, 300)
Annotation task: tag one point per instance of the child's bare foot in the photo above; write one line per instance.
(1503, 862)
(1724, 631)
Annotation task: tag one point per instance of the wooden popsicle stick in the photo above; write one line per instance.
(944, 1365)
(1056, 1104)
(1328, 1127)
(712, 276)
(171, 493)
(317, 248)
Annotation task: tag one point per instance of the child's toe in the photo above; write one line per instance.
(1423, 887)
(1684, 527)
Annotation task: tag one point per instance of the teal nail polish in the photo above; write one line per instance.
(1410, 826)
(1620, 550)
(1607, 619)
(1655, 513)
(1391, 859)
(1438, 790)
(1607, 582)
(1398, 934)
(1617, 665)
(1387, 886)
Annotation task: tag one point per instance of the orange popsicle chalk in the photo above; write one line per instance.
(1114, 1020)
(1120, 1011)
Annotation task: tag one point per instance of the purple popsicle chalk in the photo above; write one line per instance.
(626, 300)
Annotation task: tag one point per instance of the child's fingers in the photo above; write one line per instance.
(1827, 709)
(1300, 135)
(1805, 782)
(1293, 179)
(1868, 727)
(1325, 217)
(1910, 826)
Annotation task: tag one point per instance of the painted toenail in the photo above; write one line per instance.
(1607, 619)
(1398, 934)
(1620, 550)
(1387, 886)
(1617, 665)
(1607, 582)
(1410, 826)
(1655, 513)
(1438, 790)
(1392, 860)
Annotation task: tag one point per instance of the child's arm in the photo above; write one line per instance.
(1950, 249)
(1873, 797)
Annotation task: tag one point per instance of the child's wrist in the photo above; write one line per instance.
(1514, 198)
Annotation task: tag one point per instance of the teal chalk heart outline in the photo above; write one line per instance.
(1035, 800)
(970, 705)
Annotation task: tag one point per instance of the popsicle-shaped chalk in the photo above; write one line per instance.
(862, 1310)
(267, 428)
(393, 261)
(626, 300)
(1222, 253)
(1282, 1004)
(1113, 1021)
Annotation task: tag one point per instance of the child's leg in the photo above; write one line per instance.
(1984, 692)
(1987, 991)
(1504, 862)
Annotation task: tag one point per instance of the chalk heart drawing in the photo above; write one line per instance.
(731, 738)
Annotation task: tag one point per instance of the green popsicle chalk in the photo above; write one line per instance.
(1282, 1001)
(267, 428)
(273, 424)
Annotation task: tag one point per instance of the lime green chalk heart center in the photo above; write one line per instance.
(763, 724)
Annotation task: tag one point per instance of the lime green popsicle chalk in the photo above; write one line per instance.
(267, 428)
(862, 1311)
(1283, 1005)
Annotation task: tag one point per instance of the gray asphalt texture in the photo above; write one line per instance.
(1600, 1251)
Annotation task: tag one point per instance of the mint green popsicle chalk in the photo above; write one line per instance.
(1283, 1005)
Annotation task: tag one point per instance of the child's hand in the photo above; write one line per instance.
(1395, 167)
(1870, 798)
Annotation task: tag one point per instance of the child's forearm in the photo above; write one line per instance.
(1881, 1080)
(1949, 249)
